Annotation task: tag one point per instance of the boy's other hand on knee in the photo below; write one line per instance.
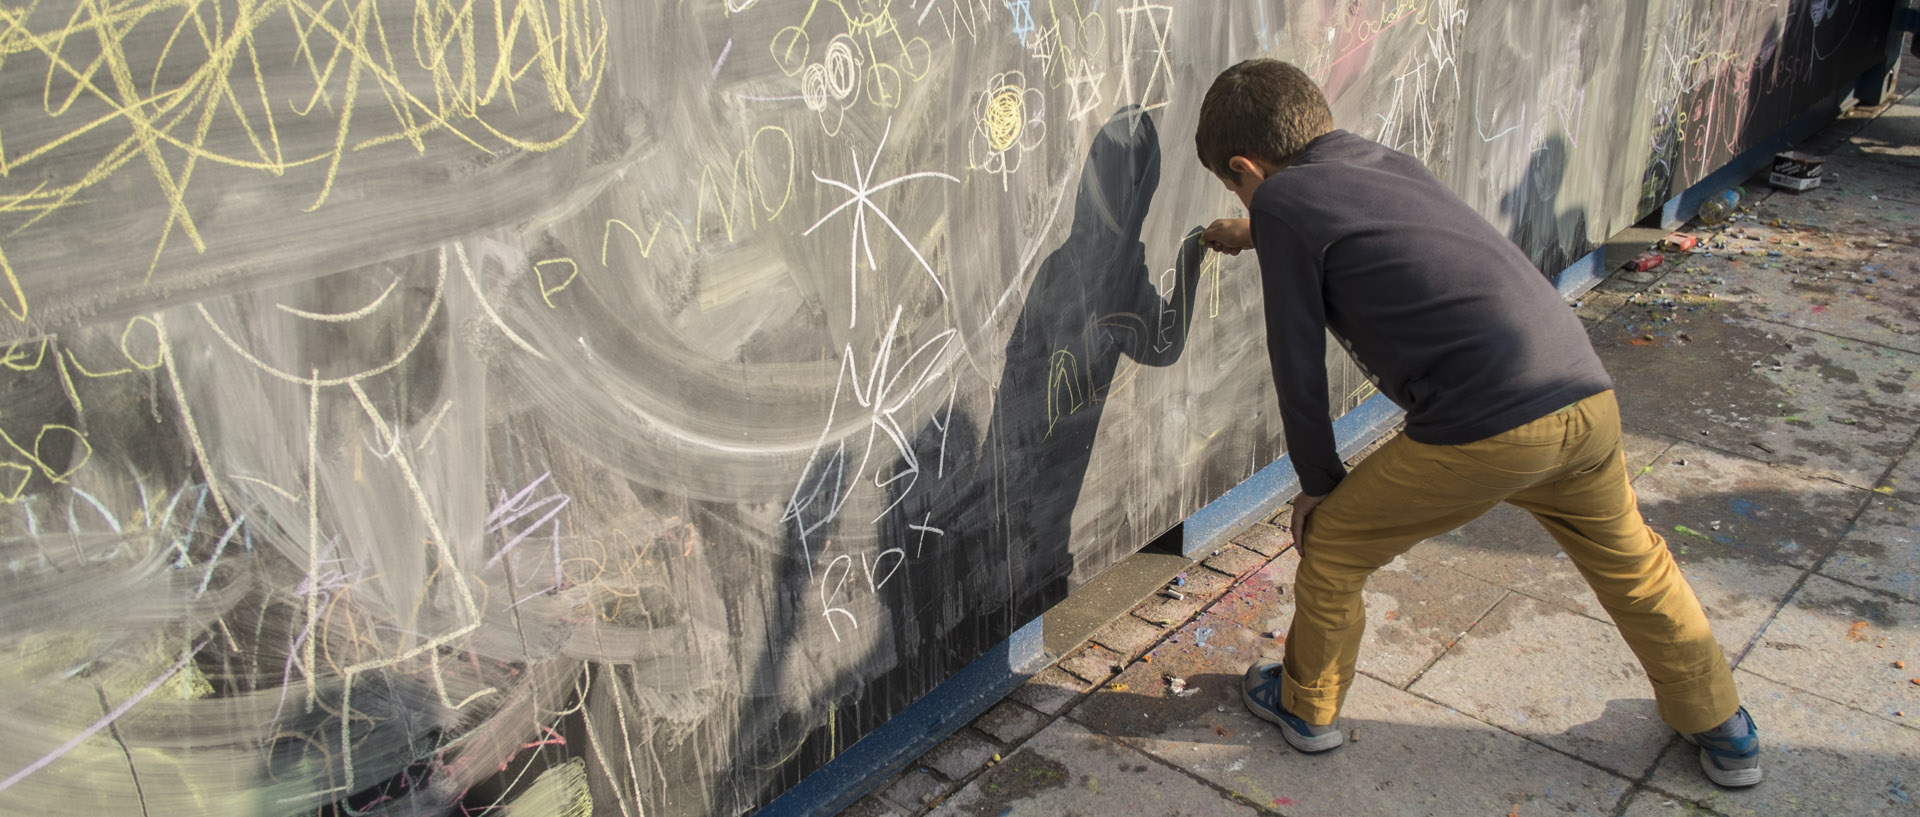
(1229, 235)
(1302, 506)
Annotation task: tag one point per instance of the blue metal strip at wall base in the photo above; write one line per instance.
(983, 683)
(917, 729)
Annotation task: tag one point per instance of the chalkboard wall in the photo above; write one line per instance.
(571, 407)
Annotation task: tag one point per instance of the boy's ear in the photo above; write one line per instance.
(1242, 164)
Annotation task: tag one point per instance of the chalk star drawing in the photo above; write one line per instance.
(860, 193)
(1083, 85)
(1157, 25)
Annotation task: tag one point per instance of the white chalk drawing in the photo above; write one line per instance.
(1146, 70)
(860, 235)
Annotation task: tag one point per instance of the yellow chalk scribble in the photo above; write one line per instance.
(1009, 124)
(1004, 114)
(173, 84)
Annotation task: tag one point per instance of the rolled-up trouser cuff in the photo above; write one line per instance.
(1698, 703)
(1315, 706)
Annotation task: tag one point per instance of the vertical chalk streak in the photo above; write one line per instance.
(600, 751)
(400, 460)
(313, 537)
(186, 418)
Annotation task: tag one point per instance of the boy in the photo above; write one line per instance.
(1505, 400)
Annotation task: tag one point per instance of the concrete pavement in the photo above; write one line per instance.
(1770, 386)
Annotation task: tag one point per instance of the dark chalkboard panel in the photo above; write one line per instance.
(622, 407)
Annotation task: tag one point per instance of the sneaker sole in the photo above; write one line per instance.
(1728, 778)
(1310, 745)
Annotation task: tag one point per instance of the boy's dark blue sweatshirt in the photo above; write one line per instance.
(1446, 315)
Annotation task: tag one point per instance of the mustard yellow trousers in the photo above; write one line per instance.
(1567, 469)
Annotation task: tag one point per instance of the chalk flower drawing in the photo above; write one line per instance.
(828, 87)
(860, 198)
(1010, 119)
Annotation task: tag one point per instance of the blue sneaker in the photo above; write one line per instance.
(1730, 752)
(1260, 689)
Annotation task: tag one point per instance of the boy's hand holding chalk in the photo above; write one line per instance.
(1229, 235)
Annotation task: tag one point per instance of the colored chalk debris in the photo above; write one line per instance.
(1679, 242)
(1646, 261)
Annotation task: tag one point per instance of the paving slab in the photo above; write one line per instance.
(959, 756)
(1414, 610)
(1858, 194)
(1065, 768)
(1235, 561)
(1843, 644)
(1050, 691)
(1129, 636)
(1176, 604)
(1405, 756)
(1555, 677)
(1894, 135)
(1648, 803)
(1903, 480)
(1265, 539)
(1506, 547)
(1736, 507)
(1764, 390)
(1822, 759)
(1811, 279)
(1009, 722)
(873, 806)
(1882, 551)
(1093, 663)
(916, 788)
(1739, 584)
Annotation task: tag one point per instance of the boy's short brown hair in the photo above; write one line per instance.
(1262, 109)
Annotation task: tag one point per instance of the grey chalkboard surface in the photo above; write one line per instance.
(584, 407)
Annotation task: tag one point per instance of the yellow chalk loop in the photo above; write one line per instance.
(1004, 116)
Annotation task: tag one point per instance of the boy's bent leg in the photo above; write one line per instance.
(1392, 500)
(1595, 517)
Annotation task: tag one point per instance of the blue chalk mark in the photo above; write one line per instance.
(1022, 18)
(1201, 635)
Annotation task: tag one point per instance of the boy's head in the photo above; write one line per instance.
(1257, 118)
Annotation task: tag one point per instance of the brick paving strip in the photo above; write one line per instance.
(1055, 690)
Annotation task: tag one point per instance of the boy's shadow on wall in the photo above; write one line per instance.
(1004, 503)
(983, 521)
(1551, 239)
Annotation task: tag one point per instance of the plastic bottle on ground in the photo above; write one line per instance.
(1720, 208)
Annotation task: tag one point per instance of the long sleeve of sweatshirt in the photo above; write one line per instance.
(1297, 350)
